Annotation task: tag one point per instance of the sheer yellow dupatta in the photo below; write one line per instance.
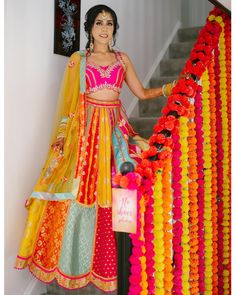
(56, 180)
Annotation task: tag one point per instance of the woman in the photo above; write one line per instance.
(68, 235)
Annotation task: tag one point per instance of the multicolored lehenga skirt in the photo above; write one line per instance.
(73, 241)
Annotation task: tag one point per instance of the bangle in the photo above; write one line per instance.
(167, 88)
(163, 89)
(174, 83)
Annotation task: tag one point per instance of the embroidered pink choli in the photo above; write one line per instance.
(109, 77)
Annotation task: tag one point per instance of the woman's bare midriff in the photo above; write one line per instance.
(104, 94)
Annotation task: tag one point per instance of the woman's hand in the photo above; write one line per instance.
(58, 144)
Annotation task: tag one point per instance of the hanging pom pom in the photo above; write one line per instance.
(126, 167)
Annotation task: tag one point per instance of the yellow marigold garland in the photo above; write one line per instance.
(225, 144)
(207, 183)
(185, 206)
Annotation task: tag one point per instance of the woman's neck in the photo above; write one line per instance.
(103, 49)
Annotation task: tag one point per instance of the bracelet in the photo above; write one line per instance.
(163, 89)
(167, 88)
(174, 83)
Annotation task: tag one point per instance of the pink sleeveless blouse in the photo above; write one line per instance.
(109, 77)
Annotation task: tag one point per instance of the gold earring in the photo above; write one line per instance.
(110, 45)
(91, 43)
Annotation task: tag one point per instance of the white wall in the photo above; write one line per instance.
(32, 78)
(194, 13)
(226, 3)
(32, 75)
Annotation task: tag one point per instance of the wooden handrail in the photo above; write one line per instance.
(221, 6)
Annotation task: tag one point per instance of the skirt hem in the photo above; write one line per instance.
(65, 281)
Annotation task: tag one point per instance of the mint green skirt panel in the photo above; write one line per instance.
(77, 245)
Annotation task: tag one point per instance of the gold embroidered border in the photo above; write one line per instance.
(68, 282)
(107, 286)
(21, 263)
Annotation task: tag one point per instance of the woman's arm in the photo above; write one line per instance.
(136, 86)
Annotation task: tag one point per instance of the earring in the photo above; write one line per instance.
(91, 43)
(110, 45)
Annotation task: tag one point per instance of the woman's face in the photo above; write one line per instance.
(103, 28)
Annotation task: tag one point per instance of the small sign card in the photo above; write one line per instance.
(124, 210)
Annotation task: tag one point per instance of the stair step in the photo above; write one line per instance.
(144, 126)
(172, 66)
(180, 49)
(188, 34)
(160, 81)
(152, 107)
(55, 289)
(170, 70)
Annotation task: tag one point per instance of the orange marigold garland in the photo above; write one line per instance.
(167, 226)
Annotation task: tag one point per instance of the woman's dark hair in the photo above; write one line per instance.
(90, 17)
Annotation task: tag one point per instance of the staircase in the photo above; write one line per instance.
(149, 111)
(169, 70)
(54, 289)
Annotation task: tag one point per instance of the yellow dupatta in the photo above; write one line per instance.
(56, 181)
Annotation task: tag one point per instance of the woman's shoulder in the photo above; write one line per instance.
(124, 56)
(74, 59)
(78, 54)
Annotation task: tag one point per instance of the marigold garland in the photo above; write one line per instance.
(149, 244)
(212, 105)
(149, 237)
(193, 146)
(167, 226)
(228, 81)
(225, 145)
(193, 203)
(207, 183)
(200, 181)
(220, 155)
(144, 284)
(158, 236)
(183, 133)
(135, 278)
(177, 216)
